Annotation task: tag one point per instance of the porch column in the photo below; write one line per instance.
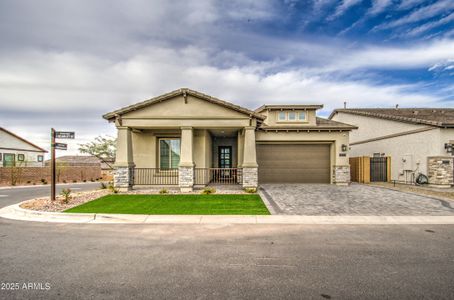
(186, 167)
(250, 167)
(124, 162)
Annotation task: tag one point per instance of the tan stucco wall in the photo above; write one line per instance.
(272, 118)
(372, 127)
(144, 145)
(176, 113)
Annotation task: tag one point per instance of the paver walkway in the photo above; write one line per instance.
(356, 199)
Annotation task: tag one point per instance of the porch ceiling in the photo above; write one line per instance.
(224, 132)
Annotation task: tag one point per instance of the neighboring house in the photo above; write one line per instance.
(187, 138)
(416, 139)
(77, 161)
(17, 151)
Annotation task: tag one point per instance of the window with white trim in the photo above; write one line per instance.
(302, 115)
(169, 153)
(40, 158)
(281, 116)
(292, 116)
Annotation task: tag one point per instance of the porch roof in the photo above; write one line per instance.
(182, 92)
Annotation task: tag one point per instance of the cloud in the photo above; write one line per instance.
(431, 25)
(378, 6)
(343, 7)
(407, 4)
(426, 12)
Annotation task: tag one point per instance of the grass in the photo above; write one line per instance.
(175, 205)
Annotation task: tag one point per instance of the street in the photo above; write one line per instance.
(9, 196)
(232, 261)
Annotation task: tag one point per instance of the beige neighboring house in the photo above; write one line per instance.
(17, 151)
(186, 138)
(418, 140)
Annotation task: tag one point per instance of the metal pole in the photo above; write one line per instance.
(52, 164)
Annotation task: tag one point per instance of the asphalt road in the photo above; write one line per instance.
(120, 261)
(219, 262)
(9, 196)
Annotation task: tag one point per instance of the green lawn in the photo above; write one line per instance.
(175, 205)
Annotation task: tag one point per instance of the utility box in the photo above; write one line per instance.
(407, 162)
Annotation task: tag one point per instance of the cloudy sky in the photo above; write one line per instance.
(65, 63)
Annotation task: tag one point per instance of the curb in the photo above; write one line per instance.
(15, 212)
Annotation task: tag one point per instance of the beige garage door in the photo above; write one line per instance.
(286, 163)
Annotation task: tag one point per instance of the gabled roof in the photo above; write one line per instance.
(182, 92)
(321, 124)
(440, 117)
(288, 106)
(22, 139)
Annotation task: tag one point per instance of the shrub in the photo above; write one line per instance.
(92, 180)
(74, 181)
(103, 186)
(85, 180)
(64, 181)
(208, 190)
(43, 181)
(250, 190)
(163, 191)
(66, 193)
(112, 188)
(28, 182)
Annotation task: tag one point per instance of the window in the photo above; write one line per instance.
(0, 157)
(20, 157)
(281, 116)
(302, 115)
(9, 160)
(292, 116)
(169, 153)
(40, 158)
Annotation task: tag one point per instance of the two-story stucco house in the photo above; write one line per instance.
(17, 151)
(186, 138)
(418, 140)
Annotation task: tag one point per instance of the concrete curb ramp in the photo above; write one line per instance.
(15, 212)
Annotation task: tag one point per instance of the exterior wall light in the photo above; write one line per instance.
(344, 148)
(448, 147)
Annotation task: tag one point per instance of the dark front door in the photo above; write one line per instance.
(225, 156)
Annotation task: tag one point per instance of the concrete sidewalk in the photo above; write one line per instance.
(15, 212)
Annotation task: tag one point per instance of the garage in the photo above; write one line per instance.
(293, 163)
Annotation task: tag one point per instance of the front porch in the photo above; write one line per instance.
(186, 157)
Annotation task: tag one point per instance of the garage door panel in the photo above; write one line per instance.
(293, 163)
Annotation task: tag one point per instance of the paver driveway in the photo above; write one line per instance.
(356, 199)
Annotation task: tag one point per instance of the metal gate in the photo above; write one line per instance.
(378, 169)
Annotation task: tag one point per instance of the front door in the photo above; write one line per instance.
(225, 157)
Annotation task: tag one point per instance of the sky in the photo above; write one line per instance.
(63, 64)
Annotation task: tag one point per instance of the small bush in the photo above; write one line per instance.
(43, 181)
(34, 183)
(28, 182)
(112, 188)
(163, 191)
(74, 181)
(208, 191)
(64, 181)
(92, 180)
(103, 186)
(85, 180)
(66, 193)
(250, 190)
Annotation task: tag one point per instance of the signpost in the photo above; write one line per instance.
(54, 146)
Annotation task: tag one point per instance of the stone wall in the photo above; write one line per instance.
(124, 178)
(341, 175)
(186, 178)
(440, 170)
(250, 177)
(38, 175)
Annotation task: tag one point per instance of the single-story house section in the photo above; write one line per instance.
(17, 151)
(187, 138)
(418, 140)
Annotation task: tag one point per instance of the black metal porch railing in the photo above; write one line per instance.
(155, 176)
(218, 176)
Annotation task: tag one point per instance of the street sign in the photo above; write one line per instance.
(65, 135)
(61, 146)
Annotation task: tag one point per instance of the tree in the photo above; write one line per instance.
(103, 148)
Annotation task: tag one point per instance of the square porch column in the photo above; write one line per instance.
(186, 167)
(250, 167)
(124, 163)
